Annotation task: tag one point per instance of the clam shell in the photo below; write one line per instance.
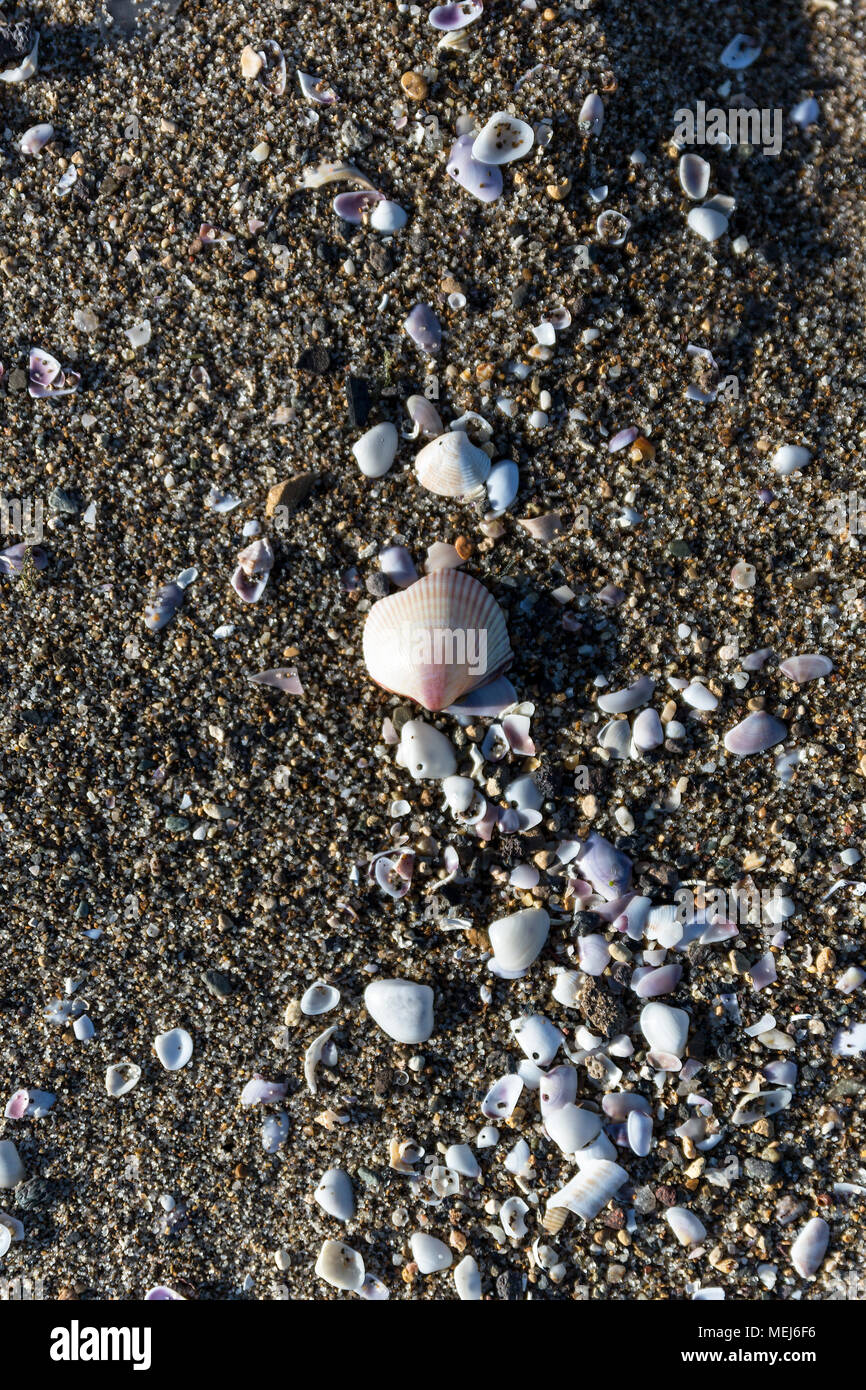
(424, 329)
(121, 1077)
(666, 1029)
(592, 954)
(558, 1088)
(661, 981)
(699, 697)
(503, 139)
(591, 118)
(34, 140)
(607, 868)
(451, 466)
(806, 668)
(425, 418)
(353, 207)
(388, 217)
(460, 1159)
(647, 731)
(591, 1189)
(618, 1105)
(615, 737)
(687, 1228)
(437, 640)
(694, 175)
(334, 1194)
(425, 752)
(173, 1048)
(632, 697)
(340, 1266)
(483, 181)
(639, 1128)
(537, 1037)
(518, 938)
(320, 998)
(376, 450)
(755, 734)
(467, 1280)
(810, 1247)
(429, 1253)
(708, 222)
(401, 1008)
(502, 486)
(571, 1127)
(456, 16)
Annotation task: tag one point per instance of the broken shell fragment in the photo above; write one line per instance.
(163, 608)
(12, 1170)
(388, 217)
(467, 1280)
(790, 458)
(537, 1037)
(340, 1266)
(687, 1227)
(694, 175)
(503, 139)
(401, 1008)
(334, 1194)
(336, 171)
(452, 466)
(622, 701)
(502, 486)
(254, 565)
(429, 1253)
(456, 16)
(483, 181)
(591, 1189)
(755, 734)
(121, 1077)
(425, 752)
(34, 140)
(376, 450)
(319, 999)
(22, 46)
(316, 89)
(666, 1029)
(517, 939)
(806, 668)
(591, 117)
(354, 207)
(501, 1099)
(174, 1048)
(810, 1247)
(424, 329)
(436, 640)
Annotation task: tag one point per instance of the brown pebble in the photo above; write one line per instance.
(414, 85)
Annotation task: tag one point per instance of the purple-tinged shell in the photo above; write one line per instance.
(483, 181)
(316, 89)
(611, 595)
(46, 377)
(352, 207)
(622, 439)
(755, 661)
(161, 1293)
(558, 1087)
(810, 1247)
(424, 329)
(164, 607)
(542, 528)
(515, 727)
(661, 981)
(755, 734)
(501, 1099)
(763, 972)
(593, 954)
(639, 1128)
(456, 16)
(591, 118)
(425, 418)
(393, 872)
(607, 868)
(283, 678)
(273, 74)
(486, 701)
(12, 559)
(254, 566)
(806, 668)
(396, 562)
(623, 701)
(16, 1106)
(781, 1073)
(260, 1092)
(34, 140)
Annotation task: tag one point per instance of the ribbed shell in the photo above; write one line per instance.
(451, 466)
(414, 640)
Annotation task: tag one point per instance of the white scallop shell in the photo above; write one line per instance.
(340, 1266)
(437, 640)
(174, 1048)
(503, 139)
(518, 938)
(452, 466)
(334, 1194)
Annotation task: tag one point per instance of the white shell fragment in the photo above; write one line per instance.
(425, 752)
(810, 1247)
(376, 450)
(34, 140)
(790, 458)
(429, 1253)
(665, 1028)
(538, 1038)
(320, 998)
(502, 1097)
(121, 1077)
(402, 1009)
(709, 223)
(174, 1048)
(591, 1189)
(687, 1228)
(340, 1266)
(321, 1049)
(467, 1280)
(461, 1159)
(518, 938)
(12, 1170)
(334, 1194)
(503, 139)
(694, 175)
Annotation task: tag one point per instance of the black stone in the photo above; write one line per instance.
(218, 984)
(510, 1285)
(315, 359)
(585, 923)
(358, 400)
(35, 1193)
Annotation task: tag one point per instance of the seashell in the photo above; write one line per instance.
(593, 954)
(373, 1290)
(694, 175)
(558, 1088)
(34, 140)
(456, 41)
(524, 794)
(354, 207)
(755, 734)
(632, 697)
(451, 466)
(467, 1280)
(806, 668)
(273, 74)
(687, 1228)
(639, 1128)
(283, 678)
(483, 181)
(537, 1038)
(319, 999)
(461, 1159)
(25, 47)
(655, 982)
(121, 1077)
(12, 1170)
(456, 16)
(425, 752)
(740, 53)
(708, 222)
(334, 172)
(424, 329)
(554, 1218)
(388, 217)
(317, 1052)
(334, 1194)
(503, 139)
(756, 660)
(501, 1099)
(591, 118)
(316, 89)
(502, 486)
(616, 738)
(618, 1105)
(571, 1127)
(512, 1217)
(647, 731)
(46, 377)
(401, 1008)
(517, 1160)
(808, 1250)
(487, 701)
(340, 1266)
(163, 608)
(459, 793)
(376, 450)
(424, 416)
(566, 987)
(666, 1029)
(487, 1137)
(607, 868)
(699, 697)
(254, 565)
(429, 1253)
(542, 528)
(517, 939)
(161, 1293)
(437, 640)
(13, 558)
(613, 228)
(173, 1048)
(761, 1104)
(806, 113)
(275, 1131)
(591, 1189)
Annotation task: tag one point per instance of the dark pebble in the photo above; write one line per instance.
(510, 1285)
(358, 401)
(315, 359)
(218, 984)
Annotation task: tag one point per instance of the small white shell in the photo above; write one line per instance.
(12, 1170)
(558, 1088)
(591, 1189)
(694, 175)
(503, 139)
(34, 140)
(665, 1028)
(512, 1217)
(708, 222)
(452, 466)
(459, 793)
(502, 487)
(687, 1228)
(315, 1054)
(502, 1097)
(429, 1253)
(571, 1127)
(760, 1104)
(334, 1194)
(790, 458)
(319, 999)
(174, 1048)
(388, 217)
(121, 1077)
(340, 1266)
(461, 1159)
(376, 450)
(538, 1038)
(810, 1247)
(639, 1128)
(401, 1008)
(425, 752)
(518, 938)
(467, 1280)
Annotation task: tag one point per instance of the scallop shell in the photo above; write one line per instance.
(451, 466)
(437, 640)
